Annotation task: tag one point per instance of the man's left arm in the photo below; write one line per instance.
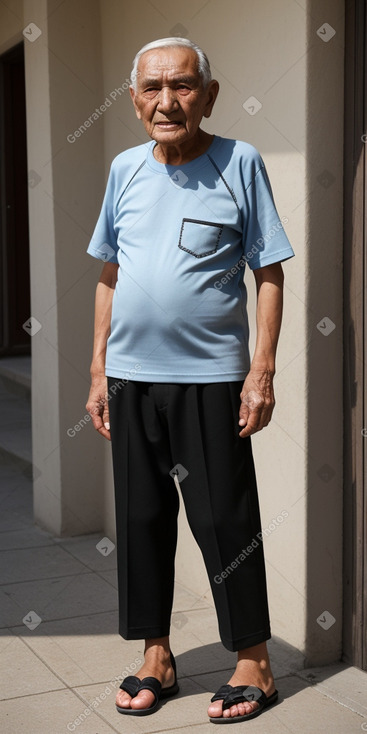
(257, 394)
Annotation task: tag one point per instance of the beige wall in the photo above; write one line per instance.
(63, 80)
(269, 50)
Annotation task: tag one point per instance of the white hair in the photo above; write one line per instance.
(203, 61)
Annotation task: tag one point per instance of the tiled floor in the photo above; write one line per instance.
(15, 409)
(60, 675)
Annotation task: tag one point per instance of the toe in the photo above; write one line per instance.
(123, 699)
(215, 708)
(241, 709)
(143, 700)
(232, 711)
(250, 706)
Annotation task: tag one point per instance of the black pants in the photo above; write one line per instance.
(193, 430)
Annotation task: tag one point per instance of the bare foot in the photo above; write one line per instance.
(253, 669)
(157, 663)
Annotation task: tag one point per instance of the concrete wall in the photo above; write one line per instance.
(270, 50)
(63, 83)
(324, 241)
(11, 25)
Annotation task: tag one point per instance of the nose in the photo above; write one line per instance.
(167, 100)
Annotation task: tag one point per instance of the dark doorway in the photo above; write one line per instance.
(355, 336)
(14, 238)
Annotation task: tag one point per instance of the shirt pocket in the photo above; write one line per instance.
(200, 238)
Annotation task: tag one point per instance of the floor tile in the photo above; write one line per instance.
(18, 369)
(14, 520)
(300, 710)
(21, 539)
(21, 671)
(51, 713)
(195, 637)
(185, 600)
(303, 709)
(84, 550)
(110, 577)
(285, 659)
(16, 440)
(40, 563)
(16, 495)
(347, 685)
(84, 650)
(188, 707)
(71, 596)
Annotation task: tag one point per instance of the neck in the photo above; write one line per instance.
(176, 155)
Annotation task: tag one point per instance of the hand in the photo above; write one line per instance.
(257, 401)
(97, 405)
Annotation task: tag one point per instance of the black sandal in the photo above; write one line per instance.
(232, 695)
(133, 685)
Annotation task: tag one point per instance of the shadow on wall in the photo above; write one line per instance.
(354, 634)
(324, 339)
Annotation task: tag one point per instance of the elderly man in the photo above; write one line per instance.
(172, 383)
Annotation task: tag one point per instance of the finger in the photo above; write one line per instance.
(257, 422)
(252, 424)
(96, 411)
(100, 421)
(106, 416)
(243, 414)
(266, 419)
(105, 433)
(96, 416)
(251, 402)
(266, 415)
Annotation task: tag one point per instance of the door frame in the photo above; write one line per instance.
(355, 334)
(14, 232)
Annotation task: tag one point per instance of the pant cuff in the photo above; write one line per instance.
(143, 633)
(247, 641)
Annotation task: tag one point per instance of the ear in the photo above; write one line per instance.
(211, 95)
(133, 97)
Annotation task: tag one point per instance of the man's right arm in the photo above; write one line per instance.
(97, 404)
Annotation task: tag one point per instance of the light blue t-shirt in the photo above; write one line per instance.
(182, 236)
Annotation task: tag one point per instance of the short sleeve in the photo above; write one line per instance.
(103, 244)
(265, 241)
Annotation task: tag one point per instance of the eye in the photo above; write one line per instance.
(183, 88)
(151, 92)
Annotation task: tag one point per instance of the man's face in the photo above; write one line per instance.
(170, 99)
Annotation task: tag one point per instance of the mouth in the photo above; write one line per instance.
(168, 124)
